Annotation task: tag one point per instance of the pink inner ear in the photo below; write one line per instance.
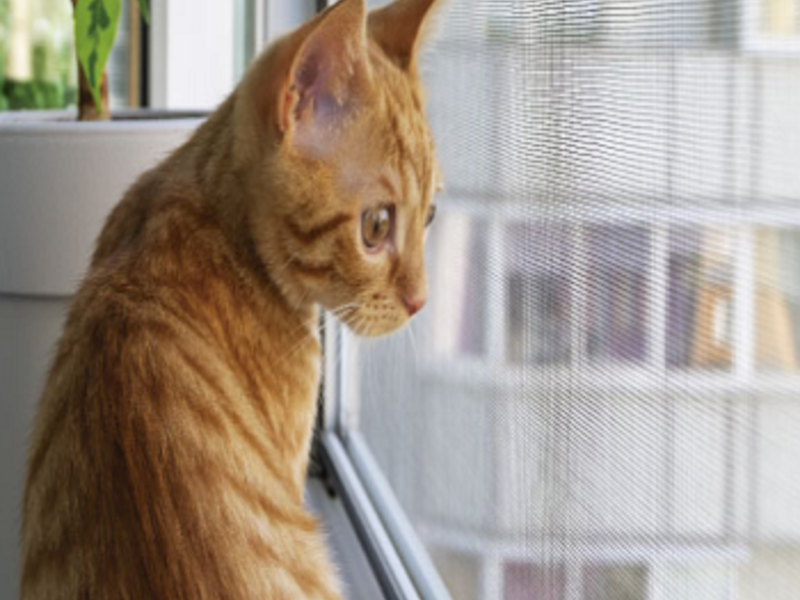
(306, 77)
(325, 78)
(319, 96)
(315, 83)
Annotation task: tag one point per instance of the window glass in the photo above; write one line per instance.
(777, 299)
(38, 67)
(700, 298)
(618, 273)
(601, 399)
(780, 17)
(523, 580)
(539, 292)
(615, 582)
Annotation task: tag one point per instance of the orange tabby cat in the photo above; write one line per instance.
(170, 449)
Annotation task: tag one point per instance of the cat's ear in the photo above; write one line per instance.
(400, 27)
(327, 73)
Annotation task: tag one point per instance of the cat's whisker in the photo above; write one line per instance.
(412, 335)
(306, 329)
(344, 311)
(344, 306)
(339, 312)
(357, 324)
(278, 273)
(295, 348)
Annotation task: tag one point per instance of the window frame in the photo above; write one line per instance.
(401, 564)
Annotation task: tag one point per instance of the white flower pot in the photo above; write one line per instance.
(59, 180)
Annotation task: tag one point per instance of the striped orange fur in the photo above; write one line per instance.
(170, 448)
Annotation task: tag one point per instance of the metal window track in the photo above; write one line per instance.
(381, 553)
(415, 557)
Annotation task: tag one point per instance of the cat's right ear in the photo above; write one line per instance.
(323, 83)
(401, 26)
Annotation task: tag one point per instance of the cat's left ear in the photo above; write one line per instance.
(326, 76)
(401, 27)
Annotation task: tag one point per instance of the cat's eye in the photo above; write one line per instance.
(375, 226)
(431, 215)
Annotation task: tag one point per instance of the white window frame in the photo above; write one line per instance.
(401, 563)
(191, 62)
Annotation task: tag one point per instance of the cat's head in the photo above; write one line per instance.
(345, 177)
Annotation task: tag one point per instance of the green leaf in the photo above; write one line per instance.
(145, 11)
(95, 30)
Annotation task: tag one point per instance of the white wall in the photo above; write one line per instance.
(28, 326)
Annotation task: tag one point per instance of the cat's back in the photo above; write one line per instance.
(152, 471)
(91, 447)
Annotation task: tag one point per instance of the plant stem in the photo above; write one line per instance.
(87, 109)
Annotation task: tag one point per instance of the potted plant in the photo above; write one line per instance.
(96, 23)
(59, 178)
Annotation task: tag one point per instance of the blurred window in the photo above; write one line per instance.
(38, 66)
(601, 400)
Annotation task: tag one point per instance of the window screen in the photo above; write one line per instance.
(601, 400)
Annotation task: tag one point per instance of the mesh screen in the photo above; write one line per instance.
(601, 400)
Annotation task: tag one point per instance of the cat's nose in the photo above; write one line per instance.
(414, 303)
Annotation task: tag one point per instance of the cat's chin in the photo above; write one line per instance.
(372, 332)
(375, 335)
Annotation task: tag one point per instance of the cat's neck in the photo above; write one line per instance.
(210, 161)
(216, 166)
